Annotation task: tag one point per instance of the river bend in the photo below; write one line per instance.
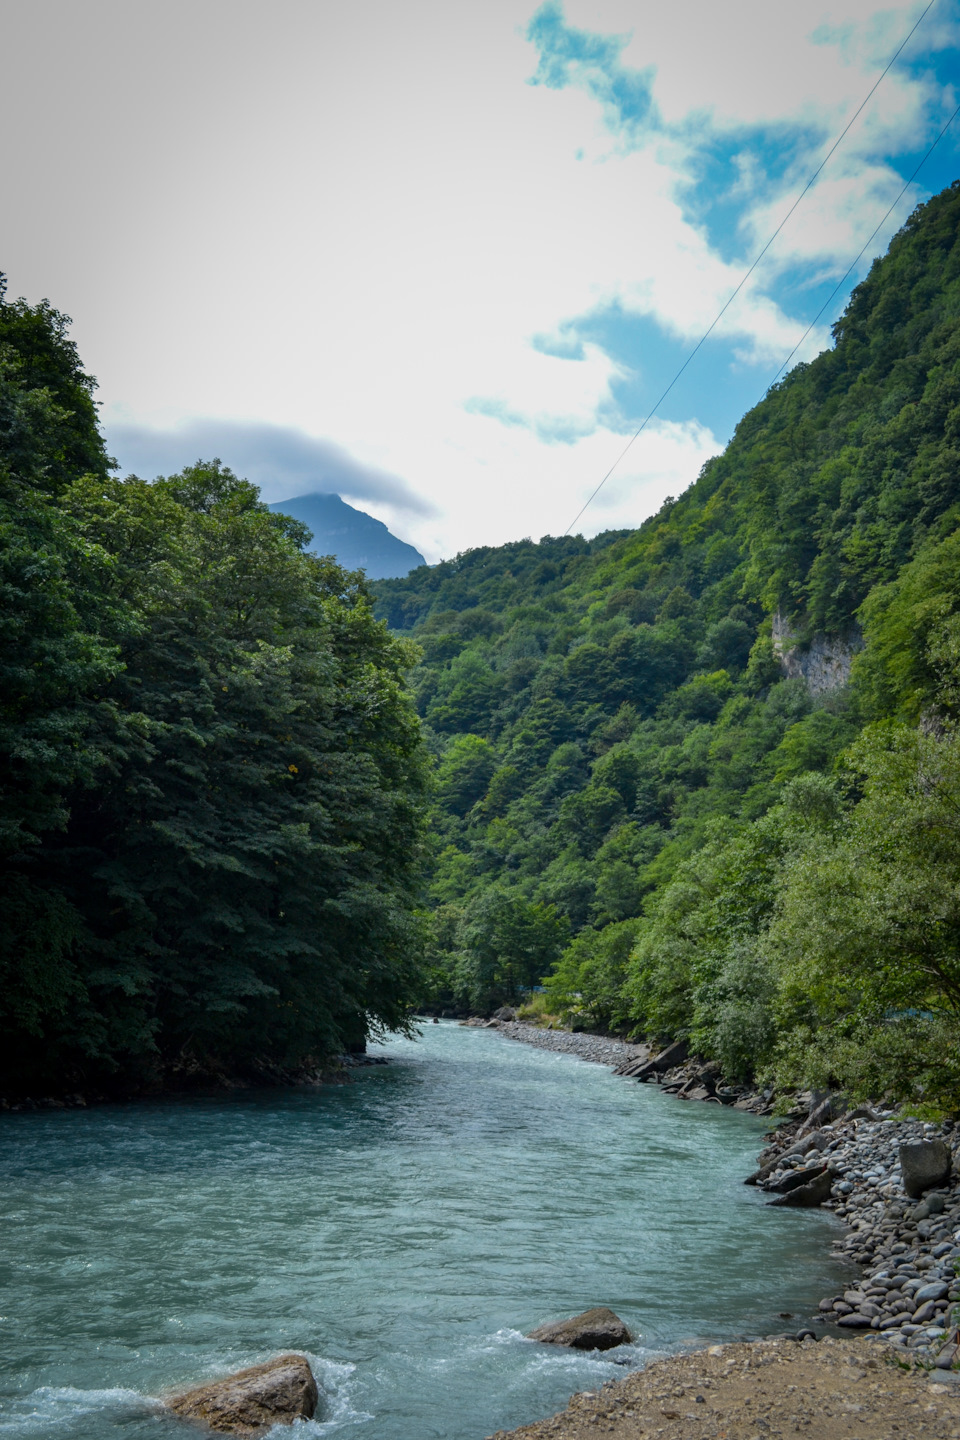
(403, 1230)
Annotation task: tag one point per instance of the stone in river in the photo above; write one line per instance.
(249, 1401)
(855, 1321)
(598, 1329)
(924, 1164)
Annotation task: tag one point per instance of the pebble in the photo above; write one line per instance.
(908, 1249)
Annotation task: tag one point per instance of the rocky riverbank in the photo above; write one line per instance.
(895, 1184)
(677, 1074)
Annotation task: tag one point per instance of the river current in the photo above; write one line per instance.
(403, 1230)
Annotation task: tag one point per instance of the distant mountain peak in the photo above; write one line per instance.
(358, 541)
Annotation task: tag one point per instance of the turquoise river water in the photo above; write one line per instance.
(404, 1231)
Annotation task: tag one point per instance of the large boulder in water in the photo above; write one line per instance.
(250, 1401)
(924, 1164)
(598, 1329)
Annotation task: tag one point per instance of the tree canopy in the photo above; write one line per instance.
(212, 775)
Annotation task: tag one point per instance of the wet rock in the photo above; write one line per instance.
(792, 1181)
(924, 1164)
(814, 1192)
(597, 1329)
(248, 1402)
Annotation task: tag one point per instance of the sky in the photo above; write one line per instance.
(442, 256)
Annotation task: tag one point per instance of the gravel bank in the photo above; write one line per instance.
(599, 1048)
(908, 1248)
(833, 1391)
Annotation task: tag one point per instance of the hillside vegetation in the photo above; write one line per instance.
(637, 806)
(210, 770)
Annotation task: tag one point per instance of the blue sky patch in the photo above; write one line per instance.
(581, 57)
(728, 173)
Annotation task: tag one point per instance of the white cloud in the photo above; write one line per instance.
(352, 221)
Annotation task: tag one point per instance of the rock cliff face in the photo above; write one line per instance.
(824, 663)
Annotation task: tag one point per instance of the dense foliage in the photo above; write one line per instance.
(635, 800)
(210, 771)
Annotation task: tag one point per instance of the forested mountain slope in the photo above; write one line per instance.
(632, 794)
(210, 770)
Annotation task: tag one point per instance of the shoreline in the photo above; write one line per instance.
(202, 1086)
(907, 1247)
(762, 1388)
(687, 1078)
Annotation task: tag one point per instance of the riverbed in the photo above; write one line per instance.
(403, 1230)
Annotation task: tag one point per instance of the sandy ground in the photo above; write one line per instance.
(830, 1390)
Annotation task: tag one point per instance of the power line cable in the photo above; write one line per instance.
(840, 283)
(719, 316)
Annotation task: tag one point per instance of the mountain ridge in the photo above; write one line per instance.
(358, 541)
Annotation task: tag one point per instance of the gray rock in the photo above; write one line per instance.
(923, 1165)
(674, 1054)
(597, 1329)
(936, 1290)
(250, 1401)
(855, 1321)
(813, 1193)
(791, 1181)
(925, 1313)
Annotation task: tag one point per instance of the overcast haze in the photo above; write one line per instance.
(440, 257)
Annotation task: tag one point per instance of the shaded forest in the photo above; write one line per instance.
(211, 774)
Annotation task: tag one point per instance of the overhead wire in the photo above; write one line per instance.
(730, 299)
(854, 263)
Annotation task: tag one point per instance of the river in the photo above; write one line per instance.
(403, 1230)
